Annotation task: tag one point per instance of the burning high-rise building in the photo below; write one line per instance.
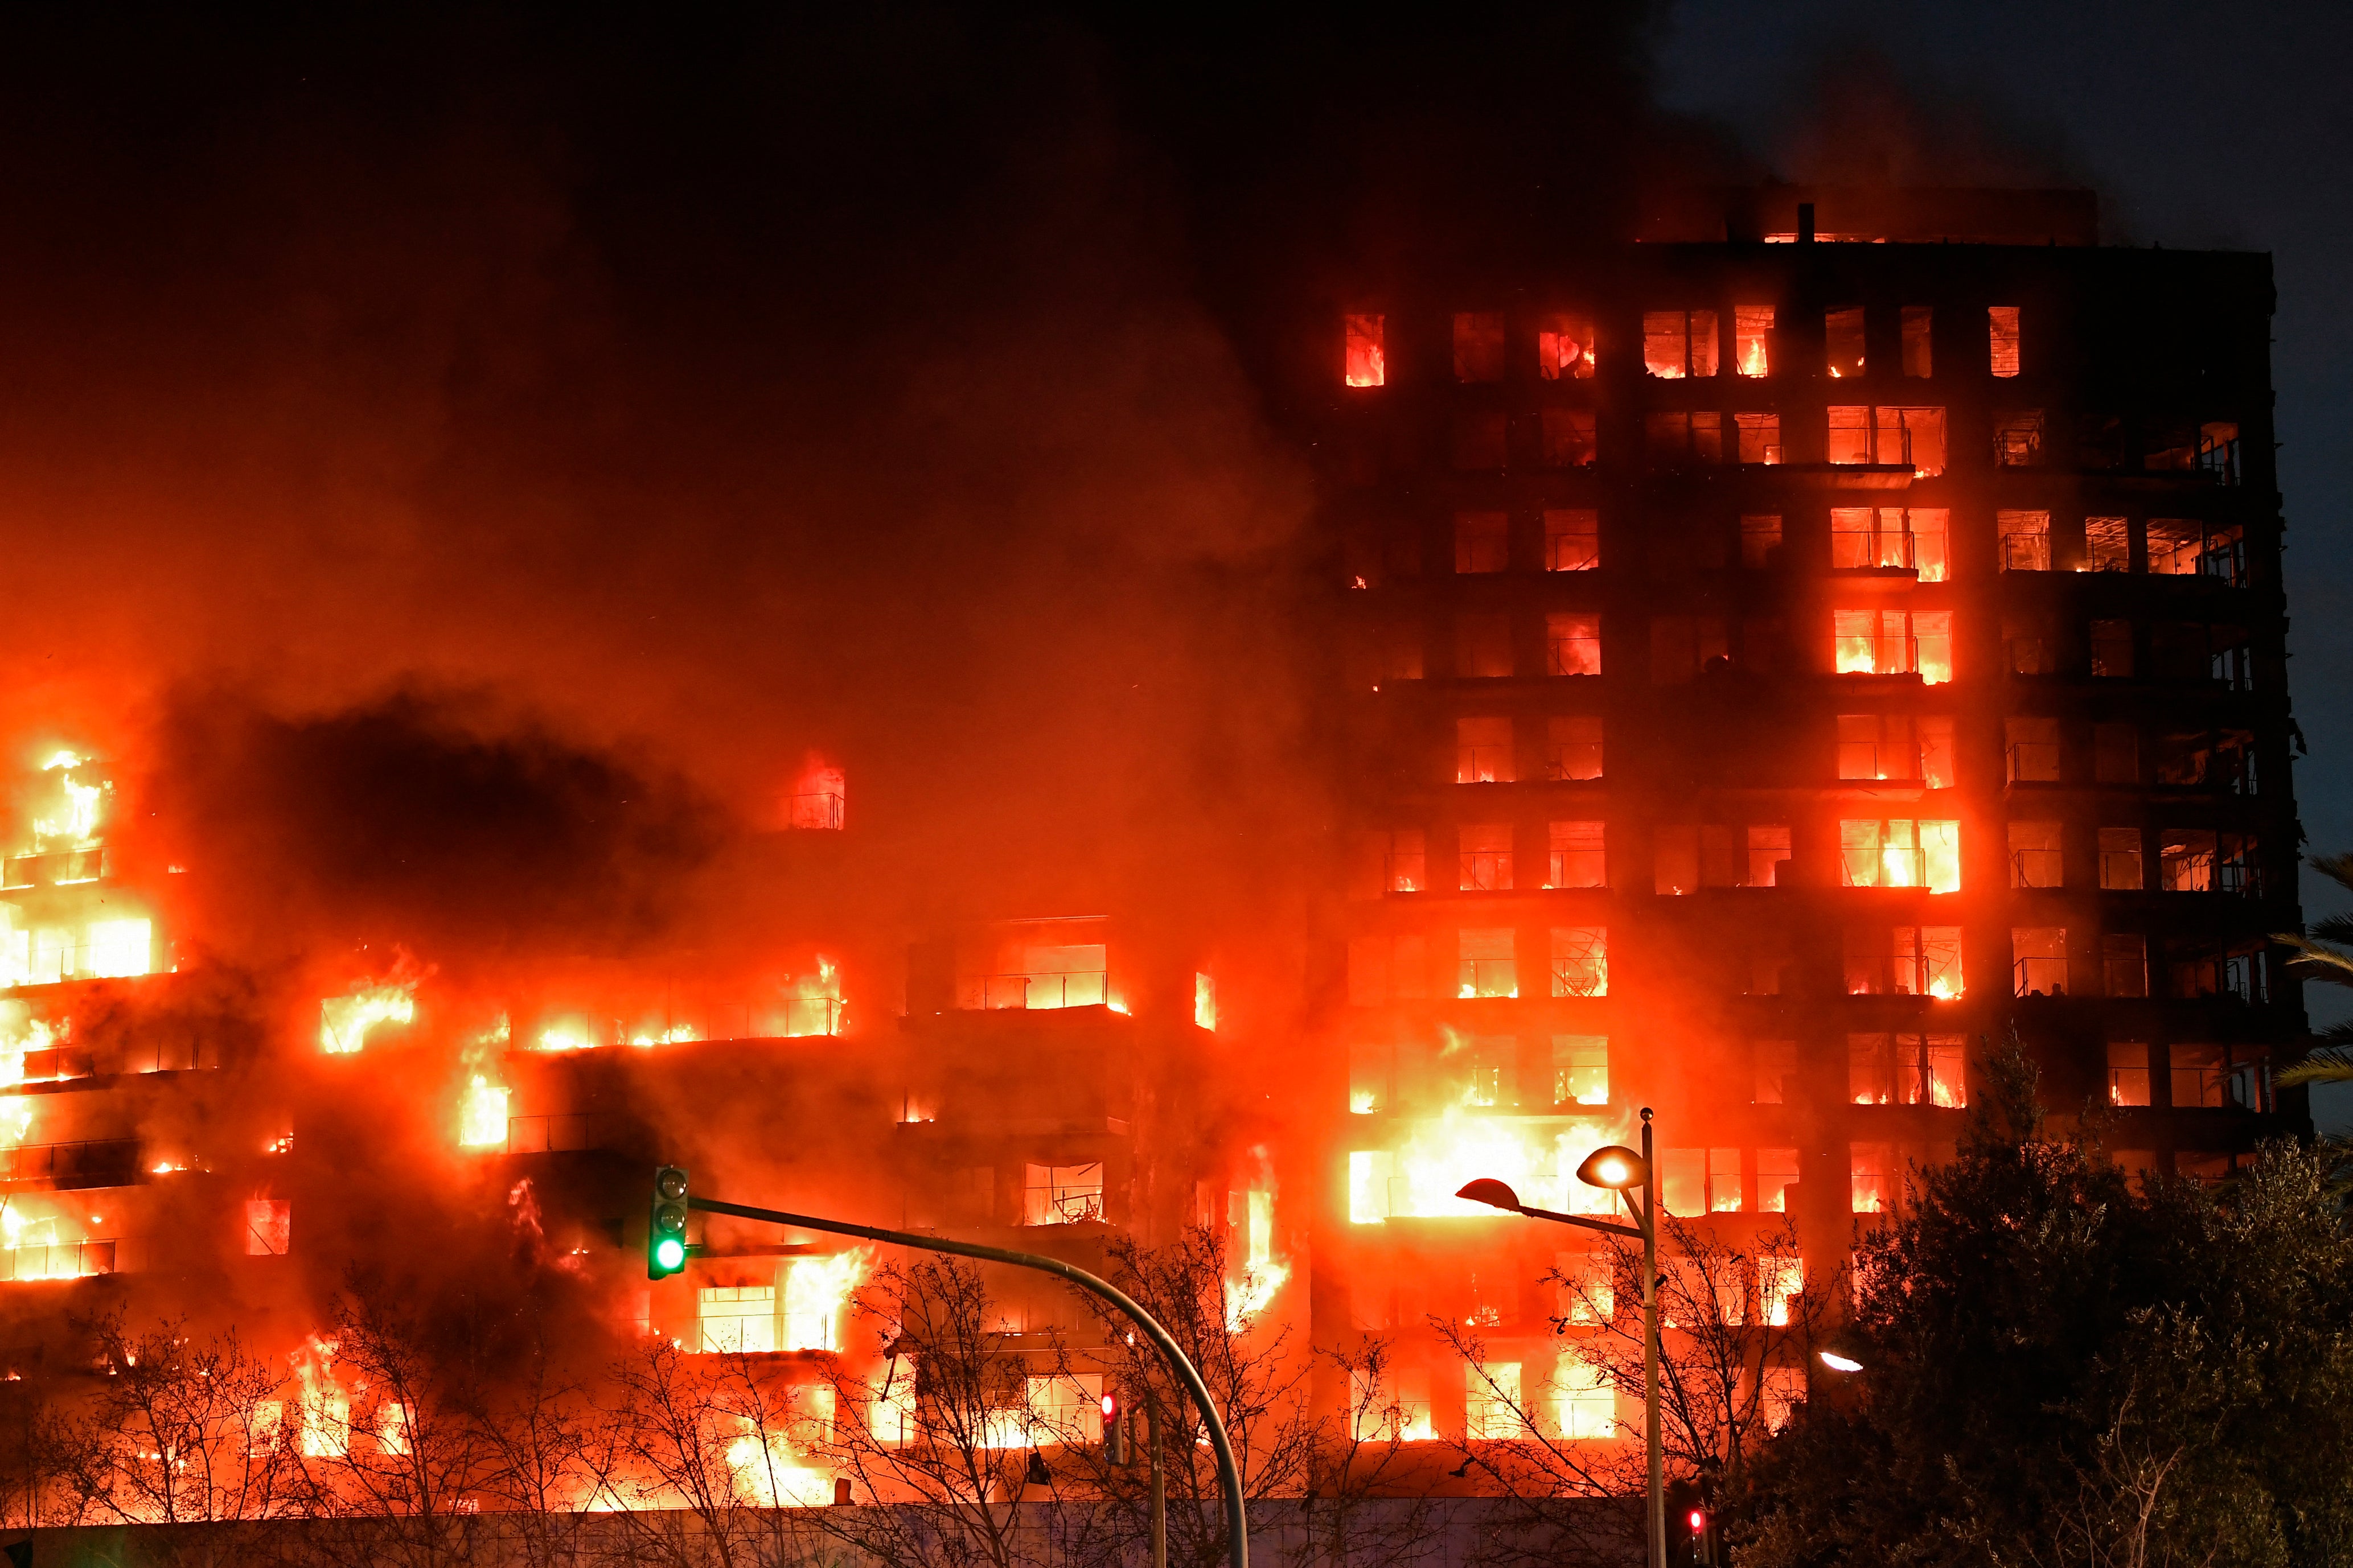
(1778, 665)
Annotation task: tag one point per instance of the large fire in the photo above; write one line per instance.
(344, 1021)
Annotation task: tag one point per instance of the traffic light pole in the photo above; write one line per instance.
(1229, 1477)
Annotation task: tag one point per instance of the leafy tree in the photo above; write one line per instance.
(2059, 1370)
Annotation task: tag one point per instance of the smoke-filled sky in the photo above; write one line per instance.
(626, 410)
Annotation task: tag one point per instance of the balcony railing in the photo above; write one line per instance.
(113, 1163)
(1886, 867)
(57, 1260)
(1486, 870)
(2034, 762)
(2040, 976)
(1034, 993)
(56, 868)
(2034, 867)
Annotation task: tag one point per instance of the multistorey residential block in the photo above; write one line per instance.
(1775, 672)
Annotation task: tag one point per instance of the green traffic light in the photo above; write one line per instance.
(671, 1253)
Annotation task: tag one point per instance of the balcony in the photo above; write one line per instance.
(1034, 993)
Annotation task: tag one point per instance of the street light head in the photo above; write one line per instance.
(1615, 1166)
(1491, 1192)
(1838, 1363)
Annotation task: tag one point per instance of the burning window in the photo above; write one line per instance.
(1683, 1181)
(1581, 1070)
(1579, 859)
(1402, 861)
(1723, 1195)
(1769, 851)
(819, 795)
(1907, 1069)
(2185, 860)
(2115, 753)
(2038, 957)
(1919, 346)
(1895, 538)
(2199, 1075)
(1568, 437)
(1573, 746)
(1365, 364)
(1871, 1069)
(1678, 343)
(1564, 347)
(1676, 439)
(1776, 1173)
(2123, 967)
(1483, 646)
(2107, 544)
(2174, 546)
(1898, 438)
(1572, 538)
(2001, 332)
(269, 1227)
(1369, 1071)
(1481, 541)
(2127, 1071)
(1478, 345)
(1585, 1402)
(1486, 859)
(736, 1318)
(1485, 963)
(1574, 639)
(2112, 651)
(2218, 452)
(2025, 540)
(1580, 961)
(1205, 1001)
(1896, 746)
(1775, 1074)
(1752, 330)
(1491, 1402)
(1871, 1177)
(1483, 750)
(2032, 748)
(2034, 859)
(1386, 969)
(1926, 961)
(1062, 1195)
(2017, 437)
(2120, 866)
(1842, 343)
(1488, 1064)
(1760, 540)
(1895, 642)
(1682, 646)
(1897, 852)
(1481, 440)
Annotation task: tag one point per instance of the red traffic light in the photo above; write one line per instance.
(1110, 1405)
(1698, 1520)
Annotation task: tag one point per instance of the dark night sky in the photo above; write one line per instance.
(2200, 127)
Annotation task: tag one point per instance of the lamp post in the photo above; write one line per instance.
(1619, 1170)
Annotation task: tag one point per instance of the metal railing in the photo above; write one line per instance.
(55, 868)
(1486, 870)
(1487, 977)
(821, 811)
(1483, 764)
(1882, 867)
(2034, 762)
(2218, 460)
(1013, 993)
(111, 1162)
(57, 1260)
(2034, 868)
(2039, 976)
(1578, 868)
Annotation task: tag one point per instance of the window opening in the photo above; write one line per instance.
(2025, 540)
(1579, 859)
(2039, 959)
(1580, 961)
(2120, 862)
(2034, 857)
(2107, 544)
(1919, 361)
(1481, 541)
(1486, 859)
(2017, 437)
(1581, 1070)
(2001, 332)
(1576, 642)
(1483, 750)
(1572, 538)
(1478, 345)
(1573, 746)
(1564, 347)
(1366, 364)
(1843, 342)
(1678, 343)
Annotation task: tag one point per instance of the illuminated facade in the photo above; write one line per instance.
(1773, 670)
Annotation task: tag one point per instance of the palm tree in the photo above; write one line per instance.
(2316, 959)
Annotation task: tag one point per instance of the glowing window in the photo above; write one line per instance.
(119, 948)
(1573, 746)
(1776, 1173)
(2107, 544)
(1578, 857)
(2025, 540)
(1572, 538)
(1205, 1002)
(1910, 437)
(1483, 750)
(1895, 642)
(1402, 861)
(1897, 852)
(1683, 1181)
(1869, 1076)
(1588, 1290)
(269, 1227)
(2001, 332)
(1871, 1177)
(1366, 364)
(1581, 1070)
(2039, 960)
(1370, 1172)
(1491, 1401)
(1568, 441)
(1779, 1279)
(2017, 437)
(2120, 861)
(1776, 1071)
(1752, 326)
(1842, 342)
(1769, 851)
(1926, 961)
(1580, 961)
(1062, 1195)
(1370, 1070)
(1574, 639)
(1678, 343)
(2174, 546)
(1758, 438)
(736, 1317)
(1584, 1402)
(1724, 1181)
(2198, 1074)
(2128, 1072)
(1485, 963)
(1486, 859)
(2034, 857)
(1478, 345)
(1564, 347)
(2185, 860)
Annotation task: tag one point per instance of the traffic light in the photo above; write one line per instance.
(1691, 1525)
(1115, 1429)
(666, 1228)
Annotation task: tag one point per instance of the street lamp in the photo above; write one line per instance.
(1838, 1363)
(1623, 1170)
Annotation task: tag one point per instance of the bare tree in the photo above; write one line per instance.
(948, 1433)
(1365, 1505)
(1738, 1324)
(553, 1462)
(180, 1431)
